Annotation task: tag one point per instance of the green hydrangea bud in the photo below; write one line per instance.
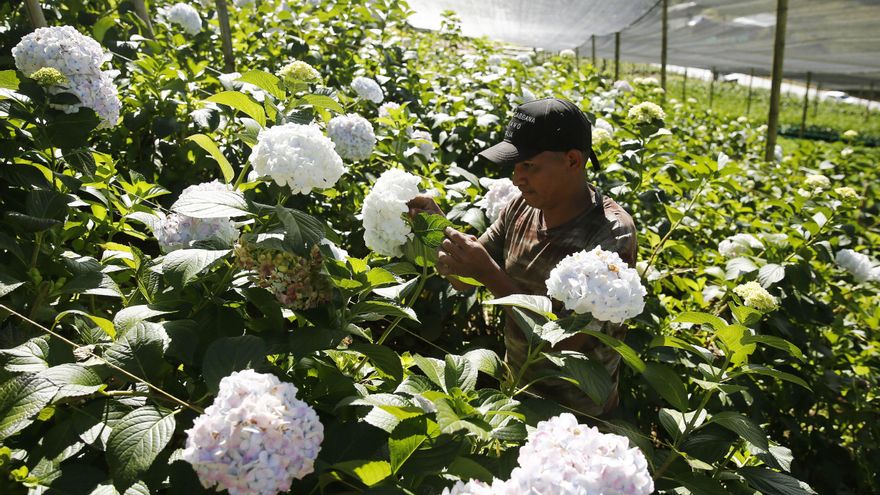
(299, 71)
(48, 76)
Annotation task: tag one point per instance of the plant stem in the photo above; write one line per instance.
(673, 227)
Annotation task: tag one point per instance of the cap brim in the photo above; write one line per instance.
(507, 153)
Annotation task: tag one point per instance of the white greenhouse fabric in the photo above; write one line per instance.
(837, 40)
(549, 24)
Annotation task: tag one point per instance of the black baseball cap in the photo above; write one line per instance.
(548, 124)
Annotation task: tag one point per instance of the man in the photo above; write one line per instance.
(546, 144)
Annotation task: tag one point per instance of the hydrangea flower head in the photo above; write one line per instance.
(646, 81)
(185, 16)
(177, 231)
(367, 89)
(817, 182)
(500, 193)
(299, 71)
(495, 60)
(255, 438)
(850, 134)
(296, 282)
(567, 53)
(385, 108)
(848, 195)
(646, 113)
(755, 296)
(426, 148)
(600, 136)
(76, 57)
(738, 244)
(298, 156)
(385, 230)
(564, 457)
(49, 76)
(597, 282)
(623, 86)
(861, 266)
(353, 136)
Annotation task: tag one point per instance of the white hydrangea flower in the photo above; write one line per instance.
(425, 149)
(600, 136)
(646, 112)
(564, 457)
(603, 102)
(861, 266)
(386, 107)
(597, 282)
(623, 86)
(738, 244)
(474, 487)
(78, 58)
(527, 96)
(604, 124)
(298, 156)
(816, 182)
(500, 193)
(176, 231)
(255, 438)
(487, 119)
(646, 81)
(185, 16)
(298, 70)
(846, 152)
(755, 296)
(495, 60)
(242, 3)
(850, 134)
(353, 136)
(567, 53)
(368, 89)
(385, 230)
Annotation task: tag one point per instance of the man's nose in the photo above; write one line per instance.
(518, 178)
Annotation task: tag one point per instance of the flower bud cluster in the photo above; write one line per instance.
(296, 282)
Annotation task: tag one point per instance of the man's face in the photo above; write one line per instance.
(545, 179)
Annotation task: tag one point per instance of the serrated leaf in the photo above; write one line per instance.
(230, 354)
(773, 483)
(701, 319)
(269, 83)
(733, 337)
(539, 304)
(484, 360)
(430, 228)
(29, 357)
(742, 426)
(241, 102)
(626, 352)
(301, 231)
(754, 369)
(212, 204)
(105, 324)
(383, 358)
(135, 442)
(459, 372)
(183, 265)
(8, 80)
(668, 384)
(737, 266)
(776, 342)
(72, 380)
(128, 317)
(770, 273)
(322, 102)
(8, 284)
(140, 351)
(434, 369)
(21, 399)
(368, 472)
(406, 438)
(208, 144)
(382, 308)
(588, 375)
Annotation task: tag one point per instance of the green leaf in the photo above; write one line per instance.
(383, 358)
(8, 80)
(466, 469)
(745, 315)
(701, 319)
(72, 380)
(733, 337)
(738, 266)
(668, 384)
(368, 310)
(406, 438)
(30, 357)
(777, 342)
(626, 352)
(538, 304)
(8, 284)
(208, 144)
(135, 442)
(430, 228)
(368, 472)
(770, 273)
(102, 26)
(678, 343)
(301, 230)
(321, 102)
(183, 265)
(128, 317)
(742, 426)
(212, 204)
(71, 130)
(241, 102)
(105, 324)
(484, 360)
(265, 81)
(230, 354)
(754, 369)
(20, 400)
(139, 351)
(773, 483)
(459, 372)
(434, 369)
(588, 375)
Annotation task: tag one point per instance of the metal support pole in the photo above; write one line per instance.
(35, 12)
(776, 77)
(141, 10)
(593, 40)
(617, 56)
(663, 47)
(816, 99)
(870, 99)
(749, 99)
(806, 106)
(577, 59)
(226, 36)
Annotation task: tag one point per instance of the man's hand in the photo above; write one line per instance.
(463, 255)
(423, 204)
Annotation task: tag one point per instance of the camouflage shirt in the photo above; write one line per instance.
(519, 242)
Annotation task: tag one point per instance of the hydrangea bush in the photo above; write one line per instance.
(298, 156)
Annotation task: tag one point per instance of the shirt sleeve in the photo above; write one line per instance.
(621, 239)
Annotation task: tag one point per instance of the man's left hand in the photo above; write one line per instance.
(463, 255)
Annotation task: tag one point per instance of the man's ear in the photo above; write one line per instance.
(575, 159)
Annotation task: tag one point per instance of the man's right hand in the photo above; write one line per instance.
(423, 204)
